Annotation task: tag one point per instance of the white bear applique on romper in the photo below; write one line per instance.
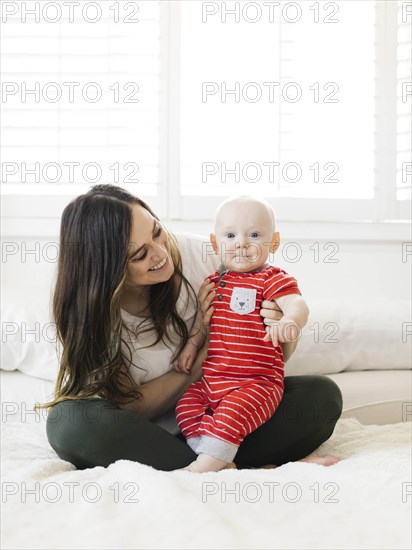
(243, 300)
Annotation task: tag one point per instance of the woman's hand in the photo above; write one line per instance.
(162, 393)
(200, 329)
(196, 369)
(206, 295)
(184, 362)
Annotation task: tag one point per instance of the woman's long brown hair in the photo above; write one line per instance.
(94, 243)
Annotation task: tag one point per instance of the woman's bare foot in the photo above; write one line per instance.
(327, 460)
(206, 463)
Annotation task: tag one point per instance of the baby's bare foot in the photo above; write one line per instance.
(206, 463)
(327, 460)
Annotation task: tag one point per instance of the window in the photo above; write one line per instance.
(306, 103)
(290, 100)
(80, 101)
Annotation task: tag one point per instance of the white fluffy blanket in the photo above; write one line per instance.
(362, 502)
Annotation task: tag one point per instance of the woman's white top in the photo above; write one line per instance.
(198, 261)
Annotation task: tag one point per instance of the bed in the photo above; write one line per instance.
(362, 502)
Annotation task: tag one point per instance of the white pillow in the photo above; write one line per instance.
(29, 339)
(341, 335)
(353, 335)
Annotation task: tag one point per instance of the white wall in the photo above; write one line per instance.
(368, 267)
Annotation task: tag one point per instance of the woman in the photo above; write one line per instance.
(124, 303)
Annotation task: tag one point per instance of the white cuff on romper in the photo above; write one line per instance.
(217, 448)
(193, 442)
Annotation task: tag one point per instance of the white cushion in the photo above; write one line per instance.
(341, 334)
(29, 339)
(19, 393)
(349, 335)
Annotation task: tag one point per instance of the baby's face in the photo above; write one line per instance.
(244, 235)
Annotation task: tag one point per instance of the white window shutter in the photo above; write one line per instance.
(326, 145)
(61, 148)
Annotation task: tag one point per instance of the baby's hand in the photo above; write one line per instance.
(185, 360)
(286, 330)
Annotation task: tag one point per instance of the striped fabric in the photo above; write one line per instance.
(242, 383)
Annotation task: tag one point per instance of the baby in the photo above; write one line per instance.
(242, 382)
